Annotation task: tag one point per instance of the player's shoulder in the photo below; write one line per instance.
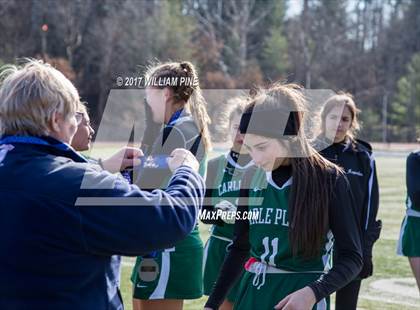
(215, 162)
(414, 157)
(413, 169)
(175, 133)
(186, 125)
(251, 173)
(252, 170)
(321, 143)
(332, 171)
(363, 146)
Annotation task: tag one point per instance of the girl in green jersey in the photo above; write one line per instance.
(304, 205)
(179, 110)
(224, 176)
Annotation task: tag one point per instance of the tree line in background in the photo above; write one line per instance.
(370, 48)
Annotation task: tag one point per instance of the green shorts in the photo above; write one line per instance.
(275, 288)
(409, 243)
(214, 255)
(179, 276)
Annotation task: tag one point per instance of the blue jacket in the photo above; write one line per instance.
(59, 237)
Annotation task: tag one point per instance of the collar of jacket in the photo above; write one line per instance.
(47, 144)
(346, 145)
(357, 146)
(175, 116)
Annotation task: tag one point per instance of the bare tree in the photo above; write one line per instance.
(229, 22)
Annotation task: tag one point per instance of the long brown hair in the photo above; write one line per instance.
(188, 92)
(313, 182)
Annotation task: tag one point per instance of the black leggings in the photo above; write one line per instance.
(346, 298)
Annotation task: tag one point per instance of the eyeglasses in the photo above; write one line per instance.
(79, 117)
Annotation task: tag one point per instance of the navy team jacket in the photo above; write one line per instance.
(58, 242)
(356, 159)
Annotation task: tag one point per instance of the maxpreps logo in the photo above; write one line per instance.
(227, 216)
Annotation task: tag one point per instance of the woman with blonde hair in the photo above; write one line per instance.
(176, 117)
(63, 219)
(339, 130)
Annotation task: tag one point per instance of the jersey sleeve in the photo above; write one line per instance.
(346, 230)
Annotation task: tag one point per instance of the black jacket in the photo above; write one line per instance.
(358, 163)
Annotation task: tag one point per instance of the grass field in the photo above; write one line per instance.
(391, 175)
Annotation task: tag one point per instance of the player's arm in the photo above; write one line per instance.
(119, 218)
(234, 262)
(208, 207)
(413, 179)
(346, 230)
(372, 196)
(371, 228)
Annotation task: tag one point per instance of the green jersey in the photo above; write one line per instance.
(193, 240)
(269, 233)
(179, 268)
(225, 186)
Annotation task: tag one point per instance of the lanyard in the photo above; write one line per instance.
(175, 116)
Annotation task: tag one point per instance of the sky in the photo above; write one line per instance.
(294, 7)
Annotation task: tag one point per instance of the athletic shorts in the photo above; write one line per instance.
(214, 254)
(179, 276)
(409, 243)
(275, 288)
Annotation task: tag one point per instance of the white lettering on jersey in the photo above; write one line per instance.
(266, 216)
(230, 186)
